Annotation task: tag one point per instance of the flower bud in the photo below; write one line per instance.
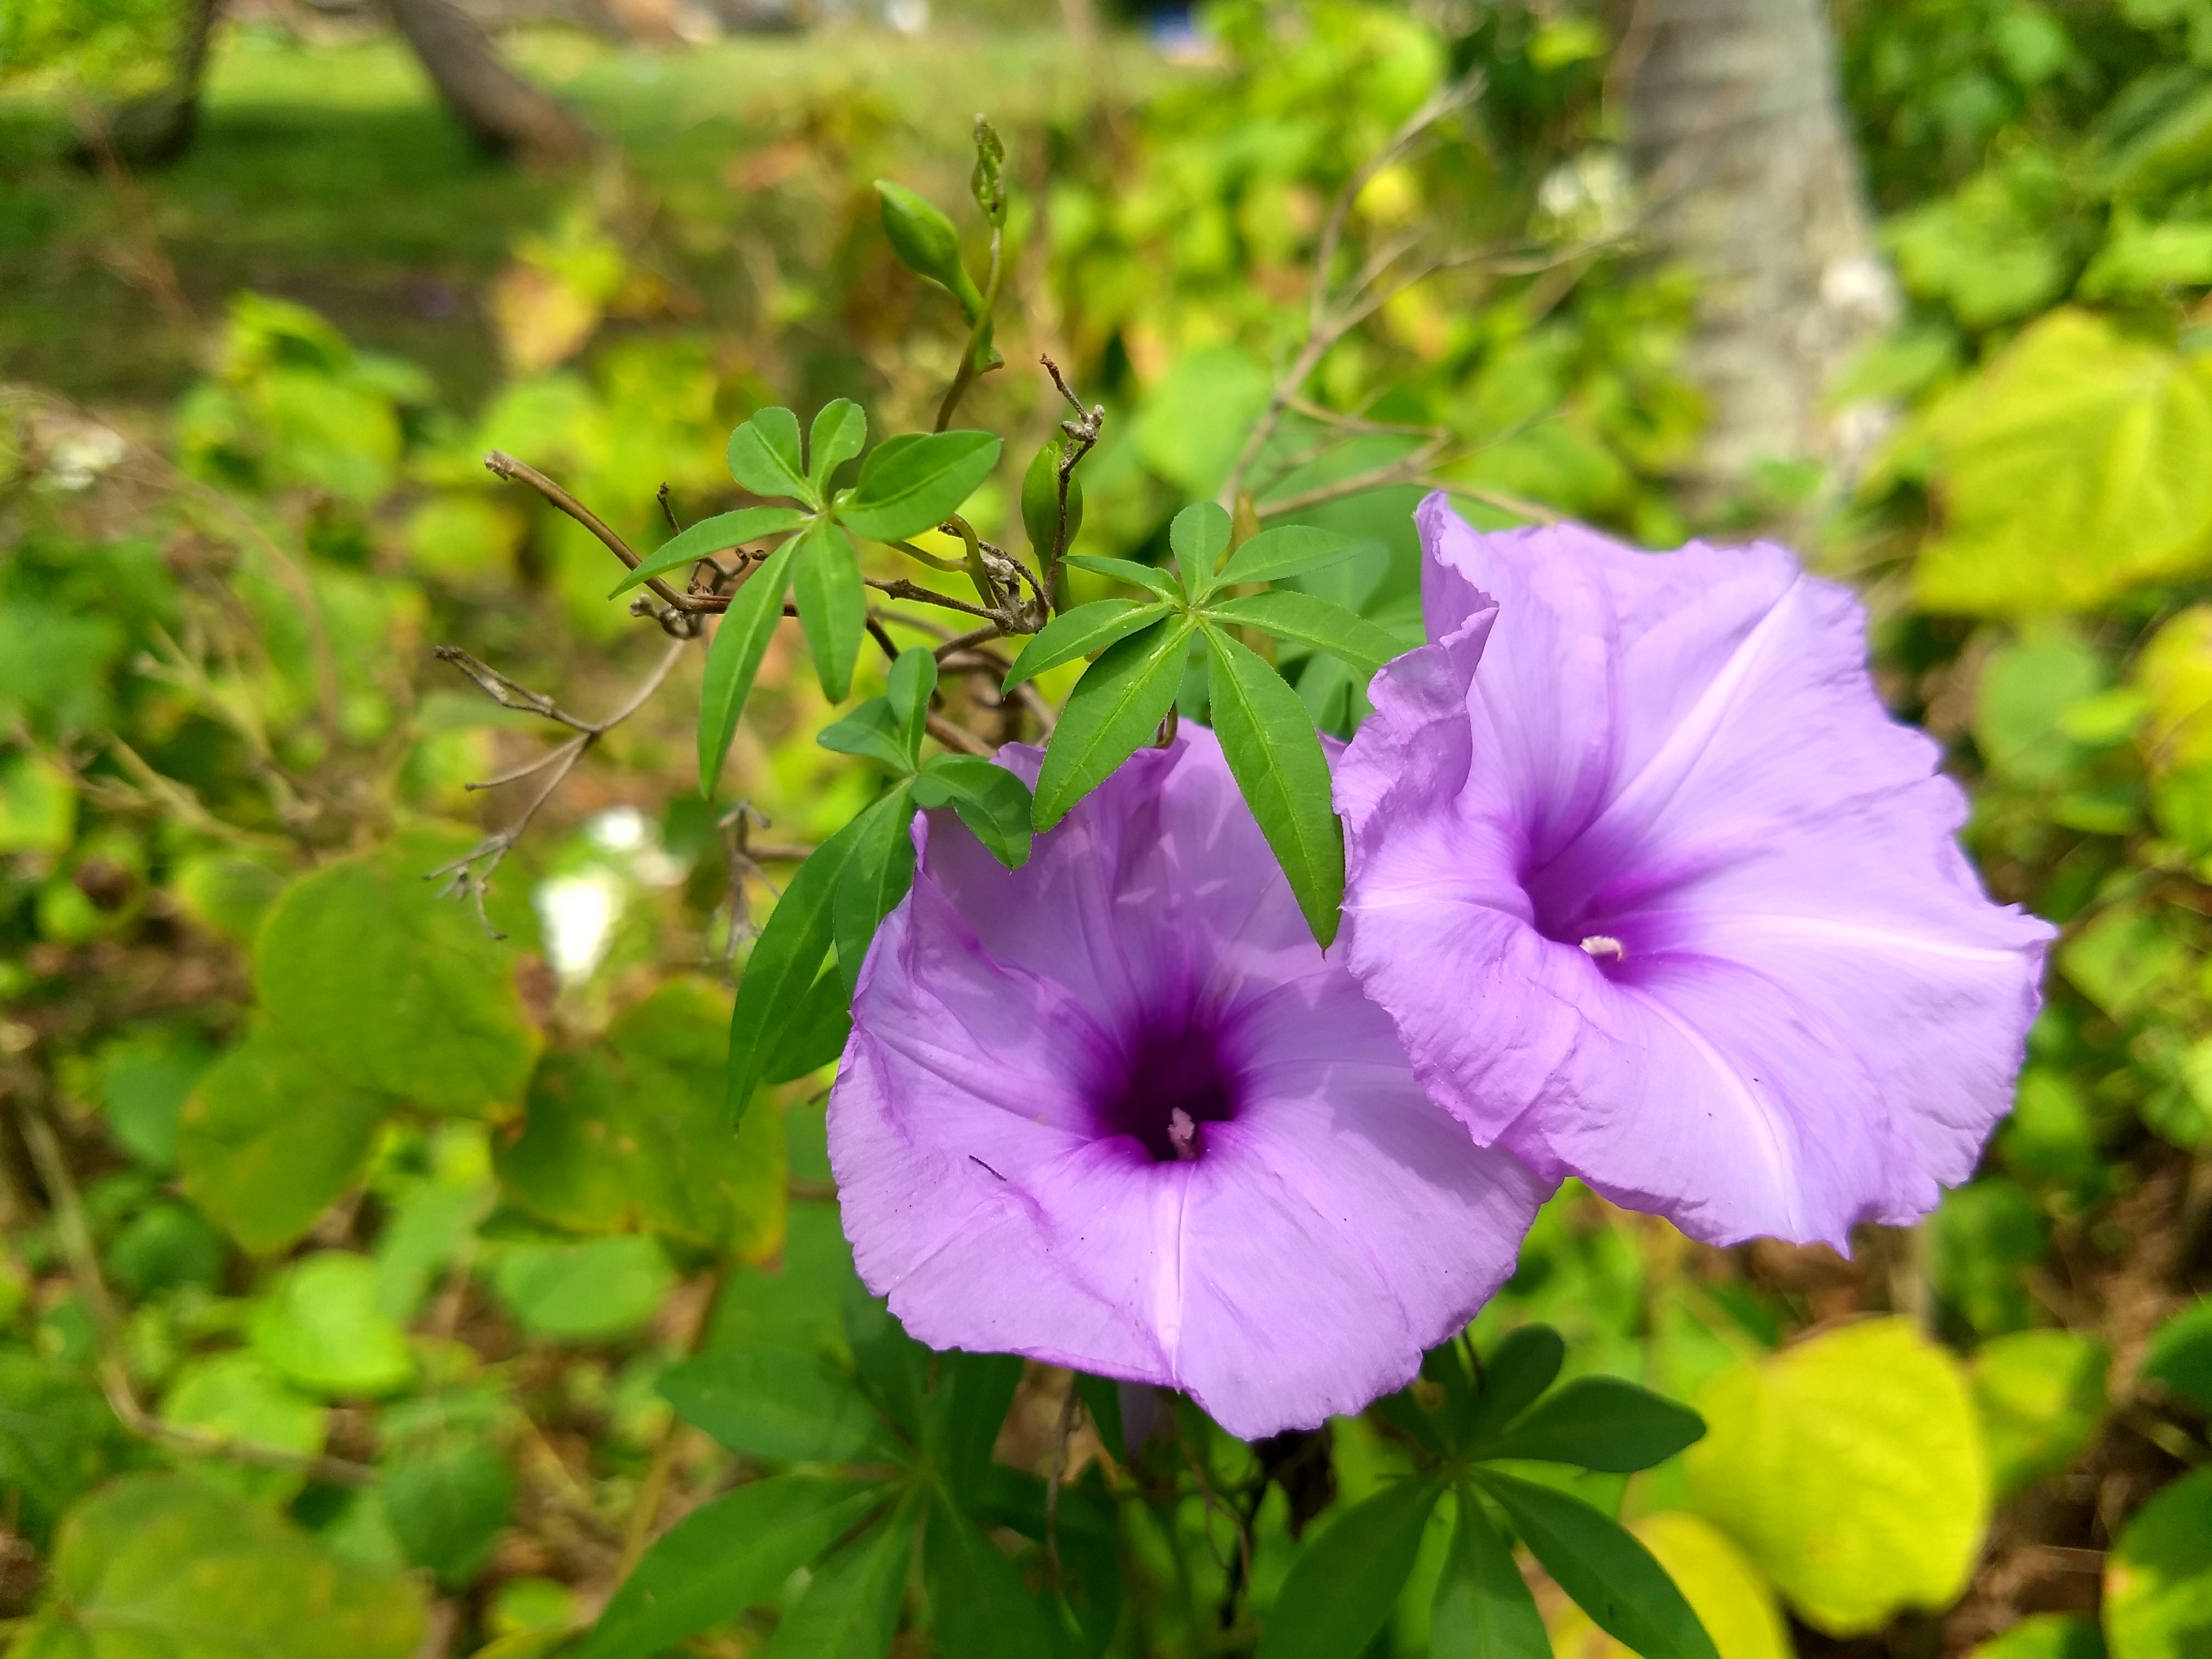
(926, 244)
(1040, 500)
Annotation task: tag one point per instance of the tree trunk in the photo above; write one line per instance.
(159, 127)
(1738, 137)
(501, 111)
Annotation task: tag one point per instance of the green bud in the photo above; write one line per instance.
(1040, 500)
(926, 244)
(990, 157)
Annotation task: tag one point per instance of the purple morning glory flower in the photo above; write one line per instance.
(1114, 1110)
(1659, 895)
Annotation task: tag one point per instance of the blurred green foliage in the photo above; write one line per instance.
(456, 1215)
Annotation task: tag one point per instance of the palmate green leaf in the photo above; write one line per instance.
(833, 603)
(362, 967)
(910, 482)
(734, 659)
(1601, 1423)
(814, 1035)
(708, 536)
(1343, 1584)
(978, 1603)
(779, 980)
(1595, 1560)
(1291, 549)
(1483, 1610)
(1079, 632)
(764, 457)
(850, 1607)
(1200, 536)
(1150, 578)
(1117, 704)
(269, 1140)
(1524, 1364)
(780, 1404)
(991, 801)
(875, 878)
(840, 432)
(907, 689)
(873, 732)
(724, 1557)
(168, 1564)
(1322, 624)
(1268, 738)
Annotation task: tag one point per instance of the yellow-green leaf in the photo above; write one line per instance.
(1850, 1468)
(2078, 464)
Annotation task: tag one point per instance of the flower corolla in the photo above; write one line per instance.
(1115, 1110)
(1658, 895)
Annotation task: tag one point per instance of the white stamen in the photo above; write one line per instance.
(1182, 1136)
(1604, 947)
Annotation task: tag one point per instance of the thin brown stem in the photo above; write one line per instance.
(75, 1237)
(470, 875)
(501, 465)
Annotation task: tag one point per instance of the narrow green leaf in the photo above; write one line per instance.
(1343, 1585)
(1322, 624)
(1611, 1576)
(978, 1603)
(850, 1608)
(910, 482)
(709, 537)
(778, 1404)
(833, 605)
(876, 878)
(1079, 632)
(1602, 1423)
(1483, 1610)
(815, 1033)
(991, 801)
(734, 657)
(874, 731)
(1200, 536)
(1102, 1398)
(723, 1557)
(764, 457)
(1116, 705)
(780, 975)
(912, 680)
(839, 433)
(1149, 577)
(1291, 549)
(1268, 738)
(1517, 1372)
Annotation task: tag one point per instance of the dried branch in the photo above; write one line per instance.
(464, 877)
(1082, 437)
(954, 737)
(501, 465)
